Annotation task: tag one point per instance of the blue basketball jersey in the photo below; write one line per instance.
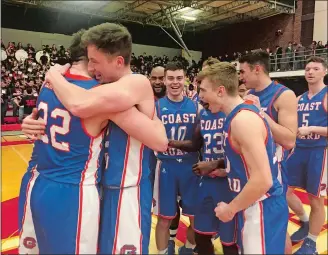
(67, 152)
(195, 98)
(180, 120)
(267, 98)
(127, 159)
(211, 129)
(235, 165)
(311, 112)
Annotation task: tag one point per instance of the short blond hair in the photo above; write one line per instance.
(222, 74)
(210, 61)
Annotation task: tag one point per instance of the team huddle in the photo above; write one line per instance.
(107, 155)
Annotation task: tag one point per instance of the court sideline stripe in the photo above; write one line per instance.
(20, 154)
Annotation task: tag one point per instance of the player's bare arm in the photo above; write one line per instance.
(189, 145)
(132, 121)
(323, 131)
(285, 131)
(149, 132)
(118, 96)
(253, 148)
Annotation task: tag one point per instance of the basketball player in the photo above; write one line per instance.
(159, 88)
(157, 82)
(307, 166)
(54, 200)
(174, 176)
(250, 163)
(209, 134)
(213, 186)
(126, 183)
(24, 210)
(242, 90)
(45, 240)
(279, 105)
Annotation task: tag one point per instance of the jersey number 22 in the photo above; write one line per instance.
(54, 129)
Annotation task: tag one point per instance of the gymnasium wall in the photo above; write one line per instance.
(37, 39)
(254, 34)
(320, 21)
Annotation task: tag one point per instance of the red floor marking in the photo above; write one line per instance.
(14, 251)
(9, 217)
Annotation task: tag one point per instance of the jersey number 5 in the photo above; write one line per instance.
(54, 129)
(305, 122)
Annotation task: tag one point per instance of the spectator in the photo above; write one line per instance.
(289, 56)
(278, 57)
(27, 103)
(320, 49)
(44, 58)
(299, 56)
(4, 100)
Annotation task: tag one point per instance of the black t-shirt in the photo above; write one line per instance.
(44, 59)
(29, 102)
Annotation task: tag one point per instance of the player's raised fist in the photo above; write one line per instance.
(224, 212)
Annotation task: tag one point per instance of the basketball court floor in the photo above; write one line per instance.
(16, 152)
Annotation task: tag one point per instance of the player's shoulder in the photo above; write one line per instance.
(247, 121)
(138, 79)
(83, 82)
(161, 100)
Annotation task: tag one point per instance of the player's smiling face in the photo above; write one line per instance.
(209, 95)
(104, 67)
(174, 81)
(157, 79)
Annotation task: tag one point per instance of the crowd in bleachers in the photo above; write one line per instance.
(23, 69)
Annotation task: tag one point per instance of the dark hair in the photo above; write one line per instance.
(77, 49)
(257, 57)
(173, 66)
(111, 38)
(29, 90)
(316, 59)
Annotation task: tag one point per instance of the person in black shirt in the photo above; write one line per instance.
(4, 100)
(44, 58)
(28, 102)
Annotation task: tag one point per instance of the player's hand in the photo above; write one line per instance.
(55, 70)
(59, 68)
(33, 127)
(172, 144)
(224, 212)
(302, 131)
(254, 99)
(203, 168)
(217, 173)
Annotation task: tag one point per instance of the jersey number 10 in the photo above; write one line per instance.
(54, 129)
(182, 131)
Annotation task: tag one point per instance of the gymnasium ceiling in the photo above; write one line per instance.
(188, 15)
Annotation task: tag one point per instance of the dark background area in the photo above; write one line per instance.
(237, 37)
